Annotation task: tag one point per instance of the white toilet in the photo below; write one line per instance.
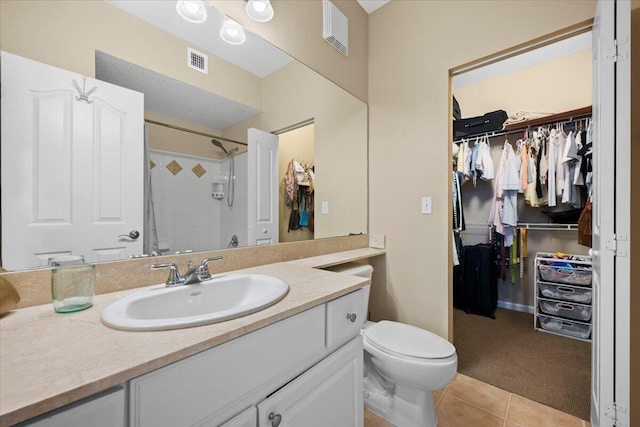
(403, 366)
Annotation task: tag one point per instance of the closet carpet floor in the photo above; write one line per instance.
(509, 354)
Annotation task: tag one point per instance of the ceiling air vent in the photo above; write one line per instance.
(335, 27)
(197, 60)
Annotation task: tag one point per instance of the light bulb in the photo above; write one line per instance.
(259, 6)
(259, 10)
(232, 32)
(192, 10)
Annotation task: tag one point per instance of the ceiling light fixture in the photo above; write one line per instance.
(232, 32)
(192, 10)
(259, 10)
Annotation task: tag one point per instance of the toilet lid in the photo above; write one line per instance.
(408, 340)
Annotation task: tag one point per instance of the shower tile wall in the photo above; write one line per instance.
(187, 216)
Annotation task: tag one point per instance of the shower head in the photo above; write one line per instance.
(219, 145)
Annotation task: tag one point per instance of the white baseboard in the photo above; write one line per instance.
(516, 307)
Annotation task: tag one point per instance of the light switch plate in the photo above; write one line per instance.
(325, 208)
(426, 205)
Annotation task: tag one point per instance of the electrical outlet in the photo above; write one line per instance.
(426, 205)
(325, 208)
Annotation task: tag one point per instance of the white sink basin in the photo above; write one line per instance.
(215, 300)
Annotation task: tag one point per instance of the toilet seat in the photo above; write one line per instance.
(406, 341)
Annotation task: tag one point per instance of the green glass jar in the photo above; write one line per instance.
(73, 287)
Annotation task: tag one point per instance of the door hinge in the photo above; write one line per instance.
(619, 51)
(618, 413)
(612, 244)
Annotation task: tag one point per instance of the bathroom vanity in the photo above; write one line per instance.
(298, 362)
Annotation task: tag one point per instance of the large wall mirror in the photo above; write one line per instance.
(196, 123)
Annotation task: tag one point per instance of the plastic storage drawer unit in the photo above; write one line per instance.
(569, 275)
(565, 309)
(566, 327)
(565, 292)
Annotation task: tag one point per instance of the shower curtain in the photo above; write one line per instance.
(150, 235)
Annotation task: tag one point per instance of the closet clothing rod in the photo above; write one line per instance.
(528, 226)
(195, 132)
(514, 131)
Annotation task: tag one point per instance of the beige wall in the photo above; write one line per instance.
(66, 34)
(298, 145)
(167, 139)
(297, 29)
(552, 87)
(340, 122)
(635, 208)
(409, 131)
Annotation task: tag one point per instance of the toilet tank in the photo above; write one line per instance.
(356, 269)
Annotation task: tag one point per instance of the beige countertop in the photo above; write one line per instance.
(48, 360)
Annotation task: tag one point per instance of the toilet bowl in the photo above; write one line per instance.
(403, 365)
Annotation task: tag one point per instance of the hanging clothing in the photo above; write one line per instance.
(584, 226)
(484, 158)
(498, 195)
(458, 213)
(504, 207)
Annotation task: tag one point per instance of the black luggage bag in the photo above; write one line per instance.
(478, 287)
(488, 122)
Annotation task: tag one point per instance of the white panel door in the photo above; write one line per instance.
(262, 157)
(71, 170)
(611, 210)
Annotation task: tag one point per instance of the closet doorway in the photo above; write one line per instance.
(547, 90)
(296, 188)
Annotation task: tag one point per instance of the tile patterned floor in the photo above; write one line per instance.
(468, 402)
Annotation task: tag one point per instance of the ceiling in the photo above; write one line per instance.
(372, 5)
(171, 97)
(256, 55)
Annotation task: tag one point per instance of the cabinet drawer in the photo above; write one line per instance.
(204, 388)
(569, 274)
(103, 410)
(345, 317)
(565, 309)
(565, 292)
(565, 327)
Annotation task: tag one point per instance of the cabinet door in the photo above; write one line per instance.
(105, 410)
(329, 394)
(247, 418)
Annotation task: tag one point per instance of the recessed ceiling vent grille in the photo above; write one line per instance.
(335, 27)
(197, 60)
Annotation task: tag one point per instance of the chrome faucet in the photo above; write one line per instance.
(193, 275)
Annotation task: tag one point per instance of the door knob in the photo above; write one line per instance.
(265, 231)
(275, 419)
(133, 234)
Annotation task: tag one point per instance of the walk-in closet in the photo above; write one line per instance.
(521, 223)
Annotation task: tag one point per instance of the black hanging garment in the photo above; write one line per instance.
(479, 289)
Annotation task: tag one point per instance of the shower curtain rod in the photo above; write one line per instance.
(195, 132)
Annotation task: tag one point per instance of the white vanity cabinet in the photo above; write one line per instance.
(294, 368)
(247, 418)
(103, 410)
(328, 394)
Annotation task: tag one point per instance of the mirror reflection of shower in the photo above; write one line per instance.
(232, 171)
